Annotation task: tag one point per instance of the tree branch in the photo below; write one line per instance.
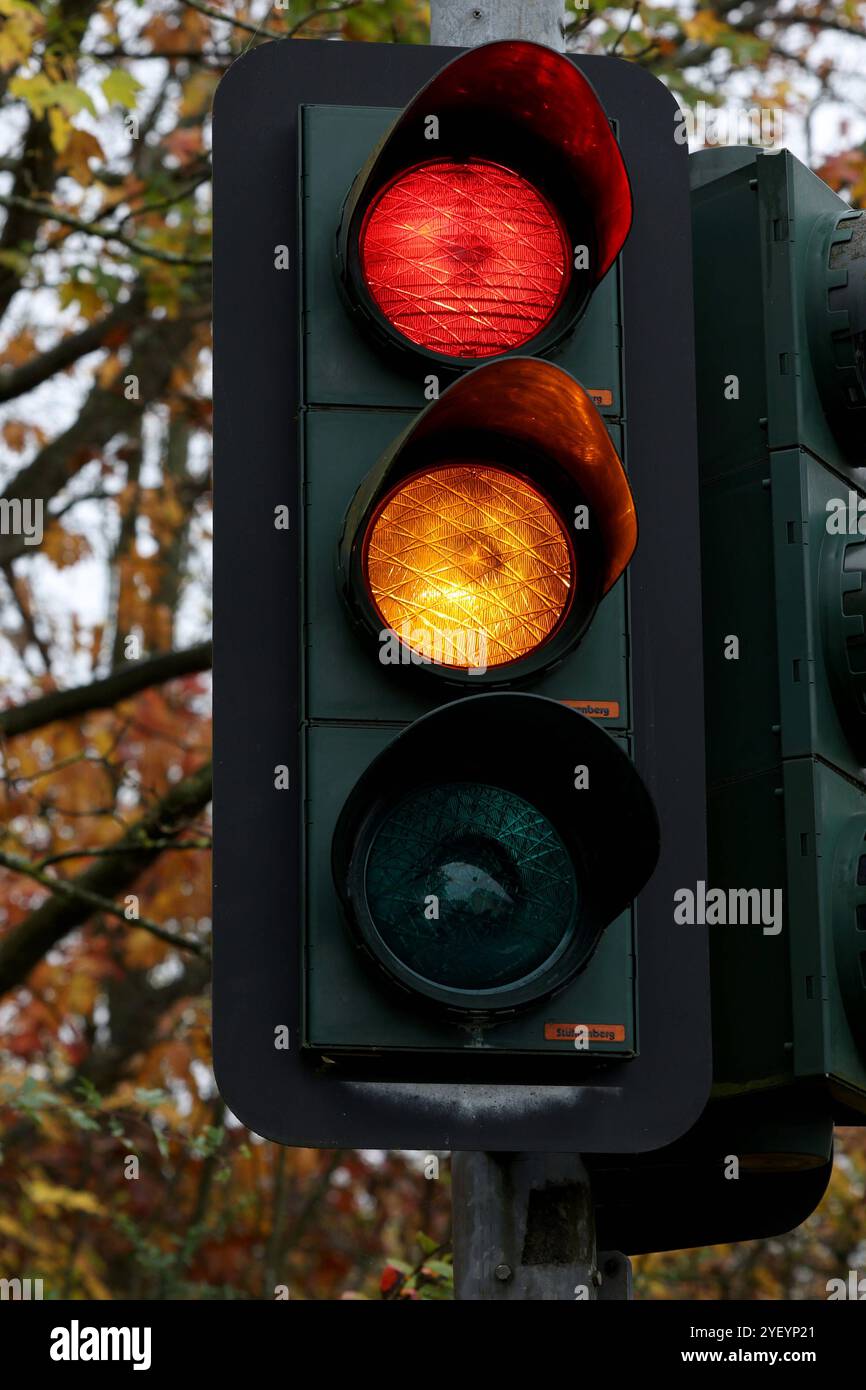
(16, 381)
(65, 219)
(157, 346)
(25, 945)
(120, 684)
(105, 850)
(315, 14)
(73, 892)
(211, 13)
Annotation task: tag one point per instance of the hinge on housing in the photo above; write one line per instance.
(781, 228)
(803, 670)
(796, 533)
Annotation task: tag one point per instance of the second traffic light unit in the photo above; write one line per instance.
(781, 320)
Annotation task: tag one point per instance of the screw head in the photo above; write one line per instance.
(503, 1272)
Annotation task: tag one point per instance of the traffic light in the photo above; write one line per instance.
(459, 762)
(780, 289)
(780, 285)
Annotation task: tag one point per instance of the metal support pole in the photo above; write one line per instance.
(523, 1228)
(467, 23)
(523, 1224)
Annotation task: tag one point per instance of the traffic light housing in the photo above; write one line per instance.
(488, 212)
(780, 284)
(386, 780)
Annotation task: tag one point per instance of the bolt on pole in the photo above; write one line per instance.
(464, 24)
(524, 1228)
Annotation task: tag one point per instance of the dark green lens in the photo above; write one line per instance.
(470, 886)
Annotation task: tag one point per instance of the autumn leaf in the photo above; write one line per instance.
(71, 98)
(15, 1230)
(77, 153)
(15, 435)
(198, 93)
(40, 94)
(109, 371)
(93, 1284)
(56, 1199)
(34, 91)
(17, 33)
(84, 294)
(705, 27)
(184, 144)
(62, 547)
(391, 1278)
(120, 88)
(60, 129)
(846, 170)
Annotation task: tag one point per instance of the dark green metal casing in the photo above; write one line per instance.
(314, 734)
(357, 401)
(781, 421)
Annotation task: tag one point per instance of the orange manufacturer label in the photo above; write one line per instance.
(599, 397)
(595, 709)
(594, 1032)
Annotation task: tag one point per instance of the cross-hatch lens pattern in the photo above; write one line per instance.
(464, 259)
(469, 565)
(470, 886)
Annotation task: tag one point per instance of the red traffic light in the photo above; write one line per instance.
(489, 212)
(466, 259)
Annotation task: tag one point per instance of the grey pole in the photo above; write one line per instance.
(467, 23)
(523, 1224)
(523, 1228)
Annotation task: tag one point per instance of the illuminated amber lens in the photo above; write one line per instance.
(469, 565)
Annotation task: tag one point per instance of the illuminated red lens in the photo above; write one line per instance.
(464, 259)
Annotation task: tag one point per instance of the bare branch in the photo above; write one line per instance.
(96, 229)
(157, 346)
(74, 893)
(624, 33)
(120, 684)
(95, 889)
(211, 13)
(316, 14)
(17, 381)
(103, 851)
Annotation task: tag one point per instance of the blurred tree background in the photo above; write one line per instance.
(121, 1175)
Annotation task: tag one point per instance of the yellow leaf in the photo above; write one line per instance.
(198, 92)
(71, 98)
(108, 373)
(13, 1230)
(60, 128)
(55, 1199)
(90, 1279)
(142, 950)
(81, 993)
(704, 27)
(86, 296)
(34, 90)
(17, 33)
(120, 88)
